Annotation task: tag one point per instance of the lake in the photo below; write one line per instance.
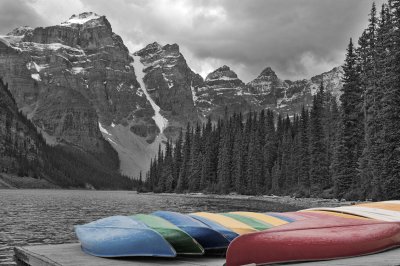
(29, 217)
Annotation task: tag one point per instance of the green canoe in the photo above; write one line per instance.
(180, 240)
(256, 224)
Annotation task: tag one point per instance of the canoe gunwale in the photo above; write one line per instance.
(125, 255)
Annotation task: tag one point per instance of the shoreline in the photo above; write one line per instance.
(17, 183)
(11, 181)
(298, 202)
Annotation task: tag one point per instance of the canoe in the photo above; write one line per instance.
(391, 201)
(381, 205)
(256, 224)
(204, 235)
(227, 233)
(296, 216)
(121, 236)
(228, 222)
(281, 216)
(263, 217)
(182, 242)
(372, 213)
(314, 239)
(338, 214)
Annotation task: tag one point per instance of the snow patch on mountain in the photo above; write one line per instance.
(170, 83)
(77, 70)
(194, 96)
(161, 121)
(81, 18)
(33, 66)
(36, 77)
(134, 153)
(103, 130)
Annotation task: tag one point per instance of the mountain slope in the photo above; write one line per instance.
(170, 83)
(23, 151)
(71, 78)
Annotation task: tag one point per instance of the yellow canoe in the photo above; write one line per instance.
(381, 205)
(230, 223)
(263, 217)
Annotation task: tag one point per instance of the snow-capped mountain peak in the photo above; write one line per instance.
(81, 18)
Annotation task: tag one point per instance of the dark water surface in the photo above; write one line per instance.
(29, 217)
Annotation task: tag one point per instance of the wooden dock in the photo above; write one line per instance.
(71, 255)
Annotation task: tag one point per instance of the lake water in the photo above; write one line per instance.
(29, 217)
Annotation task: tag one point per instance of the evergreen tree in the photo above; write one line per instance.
(319, 170)
(368, 53)
(237, 163)
(194, 182)
(224, 161)
(184, 173)
(351, 134)
(304, 171)
(391, 106)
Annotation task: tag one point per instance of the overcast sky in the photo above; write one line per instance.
(297, 38)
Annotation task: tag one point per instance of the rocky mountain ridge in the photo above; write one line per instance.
(78, 83)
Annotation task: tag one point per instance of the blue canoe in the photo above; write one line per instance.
(120, 236)
(204, 235)
(228, 234)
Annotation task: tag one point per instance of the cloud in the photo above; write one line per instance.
(15, 13)
(297, 38)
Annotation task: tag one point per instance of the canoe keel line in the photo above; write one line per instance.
(248, 237)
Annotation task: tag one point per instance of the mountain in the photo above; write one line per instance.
(84, 90)
(24, 152)
(170, 84)
(74, 79)
(223, 92)
(288, 97)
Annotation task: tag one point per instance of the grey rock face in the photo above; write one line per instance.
(287, 96)
(224, 92)
(69, 76)
(170, 83)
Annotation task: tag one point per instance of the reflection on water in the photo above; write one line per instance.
(30, 217)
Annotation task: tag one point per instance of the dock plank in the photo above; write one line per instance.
(71, 255)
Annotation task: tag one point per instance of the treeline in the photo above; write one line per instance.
(349, 151)
(252, 155)
(24, 152)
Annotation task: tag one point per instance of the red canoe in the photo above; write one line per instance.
(314, 239)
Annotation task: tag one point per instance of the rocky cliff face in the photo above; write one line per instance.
(170, 83)
(19, 143)
(287, 96)
(223, 92)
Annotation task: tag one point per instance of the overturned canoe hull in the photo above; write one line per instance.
(204, 235)
(182, 242)
(314, 239)
(268, 219)
(254, 223)
(120, 236)
(227, 233)
(228, 222)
